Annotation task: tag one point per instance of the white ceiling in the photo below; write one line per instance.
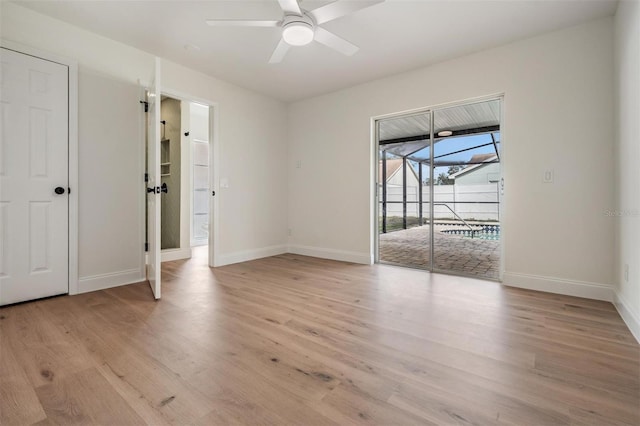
(395, 36)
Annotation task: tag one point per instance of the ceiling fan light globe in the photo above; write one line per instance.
(297, 33)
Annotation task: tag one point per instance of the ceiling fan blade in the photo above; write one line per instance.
(340, 8)
(241, 23)
(333, 41)
(278, 54)
(290, 6)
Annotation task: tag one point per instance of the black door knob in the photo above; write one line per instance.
(59, 190)
(164, 188)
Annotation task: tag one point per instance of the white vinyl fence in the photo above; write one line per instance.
(479, 202)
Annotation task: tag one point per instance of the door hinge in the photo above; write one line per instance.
(146, 177)
(146, 105)
(146, 246)
(68, 190)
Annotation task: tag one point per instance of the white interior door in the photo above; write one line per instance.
(153, 184)
(34, 181)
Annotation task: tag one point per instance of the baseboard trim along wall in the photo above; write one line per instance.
(168, 255)
(115, 279)
(246, 255)
(632, 321)
(324, 253)
(559, 286)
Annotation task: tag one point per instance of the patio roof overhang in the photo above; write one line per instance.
(410, 136)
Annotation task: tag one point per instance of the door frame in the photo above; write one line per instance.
(214, 156)
(72, 66)
(374, 159)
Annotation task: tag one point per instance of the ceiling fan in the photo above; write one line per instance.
(301, 27)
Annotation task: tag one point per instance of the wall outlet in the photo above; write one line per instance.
(626, 272)
(547, 177)
(289, 232)
(298, 164)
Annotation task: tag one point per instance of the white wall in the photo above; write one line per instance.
(558, 115)
(93, 52)
(252, 148)
(110, 169)
(626, 213)
(252, 133)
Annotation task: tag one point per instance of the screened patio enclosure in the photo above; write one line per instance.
(439, 203)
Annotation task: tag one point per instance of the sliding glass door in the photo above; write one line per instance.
(403, 191)
(439, 202)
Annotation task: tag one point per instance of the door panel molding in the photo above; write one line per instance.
(72, 87)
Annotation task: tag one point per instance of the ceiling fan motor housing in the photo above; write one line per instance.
(298, 30)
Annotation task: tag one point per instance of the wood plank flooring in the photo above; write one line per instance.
(294, 340)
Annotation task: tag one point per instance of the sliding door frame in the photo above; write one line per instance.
(376, 178)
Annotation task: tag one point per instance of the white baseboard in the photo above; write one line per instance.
(115, 279)
(168, 255)
(584, 289)
(246, 255)
(325, 253)
(628, 316)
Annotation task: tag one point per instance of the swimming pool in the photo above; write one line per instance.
(482, 232)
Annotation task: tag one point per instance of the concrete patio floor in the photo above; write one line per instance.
(454, 253)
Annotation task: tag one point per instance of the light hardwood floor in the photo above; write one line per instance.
(303, 341)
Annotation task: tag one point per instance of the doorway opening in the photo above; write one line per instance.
(170, 174)
(186, 129)
(439, 189)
